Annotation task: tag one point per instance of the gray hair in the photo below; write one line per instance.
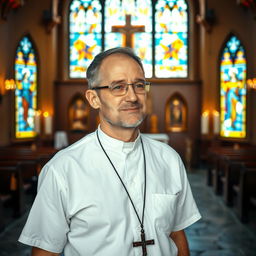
(92, 72)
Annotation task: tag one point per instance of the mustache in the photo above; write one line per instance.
(130, 105)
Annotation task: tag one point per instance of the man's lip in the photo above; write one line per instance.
(130, 109)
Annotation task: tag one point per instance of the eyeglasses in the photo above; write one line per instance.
(121, 89)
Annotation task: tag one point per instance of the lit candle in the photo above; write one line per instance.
(47, 123)
(205, 122)
(38, 121)
(216, 122)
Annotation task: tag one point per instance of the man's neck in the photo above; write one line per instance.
(120, 133)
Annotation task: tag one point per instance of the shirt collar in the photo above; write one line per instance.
(118, 145)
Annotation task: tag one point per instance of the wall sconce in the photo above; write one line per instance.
(8, 85)
(208, 20)
(250, 4)
(251, 83)
(8, 5)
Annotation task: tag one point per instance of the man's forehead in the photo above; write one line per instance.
(117, 56)
(114, 62)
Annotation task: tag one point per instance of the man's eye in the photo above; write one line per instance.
(140, 85)
(118, 87)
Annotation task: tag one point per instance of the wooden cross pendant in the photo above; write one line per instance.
(143, 243)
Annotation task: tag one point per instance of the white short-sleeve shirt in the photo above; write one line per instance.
(82, 208)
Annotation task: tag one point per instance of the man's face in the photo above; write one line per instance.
(126, 111)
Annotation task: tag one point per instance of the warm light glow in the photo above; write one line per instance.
(10, 84)
(216, 113)
(46, 114)
(47, 123)
(38, 112)
(2, 89)
(251, 83)
(205, 123)
(37, 120)
(205, 113)
(216, 122)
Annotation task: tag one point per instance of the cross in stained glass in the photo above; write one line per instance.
(128, 30)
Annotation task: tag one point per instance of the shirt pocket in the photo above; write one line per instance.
(164, 210)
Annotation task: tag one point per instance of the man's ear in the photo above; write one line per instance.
(92, 98)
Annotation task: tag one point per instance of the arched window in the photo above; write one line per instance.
(85, 38)
(233, 89)
(157, 30)
(26, 89)
(171, 39)
(132, 24)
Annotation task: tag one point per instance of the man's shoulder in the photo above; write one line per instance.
(158, 145)
(67, 161)
(76, 149)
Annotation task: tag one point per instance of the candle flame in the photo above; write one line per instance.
(216, 113)
(38, 112)
(251, 83)
(205, 113)
(10, 84)
(46, 114)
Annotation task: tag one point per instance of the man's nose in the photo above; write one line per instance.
(131, 95)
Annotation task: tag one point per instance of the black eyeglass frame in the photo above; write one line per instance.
(146, 83)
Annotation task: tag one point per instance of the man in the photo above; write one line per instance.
(115, 192)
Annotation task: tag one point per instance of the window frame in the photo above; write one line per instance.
(193, 47)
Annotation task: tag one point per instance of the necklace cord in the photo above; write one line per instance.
(144, 198)
(145, 185)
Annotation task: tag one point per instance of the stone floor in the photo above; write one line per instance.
(218, 233)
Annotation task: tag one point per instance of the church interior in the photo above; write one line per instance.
(199, 56)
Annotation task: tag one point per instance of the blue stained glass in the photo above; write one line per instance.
(171, 39)
(85, 35)
(233, 90)
(26, 89)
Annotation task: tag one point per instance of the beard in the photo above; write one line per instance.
(123, 124)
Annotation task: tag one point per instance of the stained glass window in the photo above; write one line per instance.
(233, 90)
(163, 47)
(171, 38)
(85, 38)
(26, 89)
(140, 26)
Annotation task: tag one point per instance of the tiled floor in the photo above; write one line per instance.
(218, 233)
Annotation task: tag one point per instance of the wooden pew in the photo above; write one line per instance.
(11, 191)
(214, 153)
(29, 176)
(231, 177)
(28, 172)
(212, 158)
(222, 165)
(245, 190)
(24, 153)
(30, 160)
(2, 217)
(215, 162)
(25, 163)
(41, 162)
